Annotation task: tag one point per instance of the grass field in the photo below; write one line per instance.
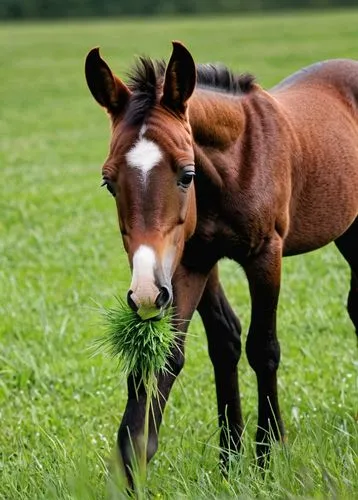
(61, 256)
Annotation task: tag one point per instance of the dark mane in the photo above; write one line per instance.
(219, 77)
(146, 78)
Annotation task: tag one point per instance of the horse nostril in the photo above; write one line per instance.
(164, 298)
(131, 302)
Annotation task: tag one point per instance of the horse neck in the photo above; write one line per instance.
(230, 131)
(238, 142)
(216, 119)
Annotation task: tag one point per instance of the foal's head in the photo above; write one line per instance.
(150, 168)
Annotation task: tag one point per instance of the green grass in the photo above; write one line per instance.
(142, 348)
(60, 255)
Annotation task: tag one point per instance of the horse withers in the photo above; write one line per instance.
(205, 164)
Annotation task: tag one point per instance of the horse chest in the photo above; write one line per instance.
(235, 235)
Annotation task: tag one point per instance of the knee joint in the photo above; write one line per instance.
(224, 338)
(263, 355)
(130, 443)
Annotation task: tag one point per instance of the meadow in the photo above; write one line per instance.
(61, 257)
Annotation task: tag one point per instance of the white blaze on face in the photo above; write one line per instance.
(143, 284)
(144, 155)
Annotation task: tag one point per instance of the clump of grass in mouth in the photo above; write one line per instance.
(142, 349)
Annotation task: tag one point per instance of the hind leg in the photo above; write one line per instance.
(223, 332)
(347, 244)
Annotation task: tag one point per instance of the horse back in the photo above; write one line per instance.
(340, 75)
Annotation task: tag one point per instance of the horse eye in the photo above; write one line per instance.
(109, 186)
(186, 178)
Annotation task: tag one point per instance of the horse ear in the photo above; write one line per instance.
(180, 79)
(108, 90)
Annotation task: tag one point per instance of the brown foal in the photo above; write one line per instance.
(276, 174)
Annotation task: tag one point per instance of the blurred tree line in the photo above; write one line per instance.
(17, 9)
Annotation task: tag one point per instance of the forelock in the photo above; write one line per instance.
(145, 80)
